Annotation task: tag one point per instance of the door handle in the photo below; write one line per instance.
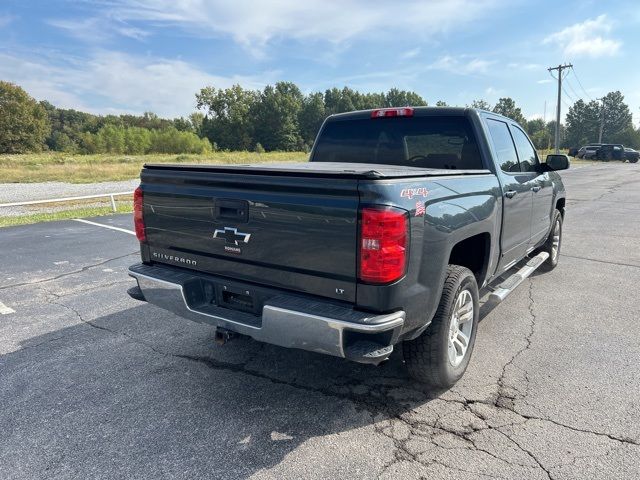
(536, 188)
(510, 193)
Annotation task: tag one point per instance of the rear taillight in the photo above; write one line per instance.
(392, 112)
(383, 244)
(138, 218)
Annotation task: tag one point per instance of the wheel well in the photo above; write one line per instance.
(473, 253)
(560, 206)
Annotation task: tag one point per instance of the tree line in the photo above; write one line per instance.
(30, 126)
(278, 117)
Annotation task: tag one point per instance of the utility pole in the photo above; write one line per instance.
(559, 68)
(601, 120)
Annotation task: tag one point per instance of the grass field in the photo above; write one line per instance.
(105, 167)
(47, 167)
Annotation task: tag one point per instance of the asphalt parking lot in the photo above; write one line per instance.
(96, 385)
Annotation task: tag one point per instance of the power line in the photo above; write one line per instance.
(580, 83)
(567, 95)
(578, 96)
(559, 68)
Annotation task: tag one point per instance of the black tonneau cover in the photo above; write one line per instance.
(322, 169)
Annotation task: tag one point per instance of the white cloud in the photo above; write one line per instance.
(118, 82)
(255, 25)
(493, 92)
(462, 65)
(96, 29)
(6, 19)
(525, 66)
(588, 38)
(544, 80)
(414, 52)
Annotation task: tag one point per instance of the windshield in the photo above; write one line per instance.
(426, 142)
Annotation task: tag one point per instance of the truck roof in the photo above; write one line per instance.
(417, 111)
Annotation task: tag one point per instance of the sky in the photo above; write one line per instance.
(132, 56)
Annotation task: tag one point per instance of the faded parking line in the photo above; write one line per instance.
(4, 310)
(130, 232)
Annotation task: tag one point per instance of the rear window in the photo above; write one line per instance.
(425, 142)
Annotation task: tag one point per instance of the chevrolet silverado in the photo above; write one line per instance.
(384, 237)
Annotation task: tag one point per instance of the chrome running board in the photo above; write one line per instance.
(511, 283)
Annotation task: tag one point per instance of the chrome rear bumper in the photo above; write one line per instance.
(287, 321)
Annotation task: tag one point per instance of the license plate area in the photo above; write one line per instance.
(237, 300)
(203, 295)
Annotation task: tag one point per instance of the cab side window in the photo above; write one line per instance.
(526, 152)
(503, 145)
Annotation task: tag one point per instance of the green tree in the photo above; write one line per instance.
(403, 98)
(228, 122)
(276, 117)
(196, 119)
(183, 124)
(373, 100)
(441, 103)
(582, 123)
(112, 138)
(481, 104)
(339, 101)
(551, 129)
(61, 142)
(617, 118)
(539, 133)
(507, 106)
(24, 124)
(311, 116)
(90, 143)
(137, 140)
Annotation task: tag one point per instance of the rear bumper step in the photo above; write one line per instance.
(287, 320)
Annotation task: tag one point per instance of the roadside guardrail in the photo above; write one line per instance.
(70, 199)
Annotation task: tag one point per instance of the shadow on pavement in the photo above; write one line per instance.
(131, 395)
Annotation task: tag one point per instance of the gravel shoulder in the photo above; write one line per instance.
(24, 192)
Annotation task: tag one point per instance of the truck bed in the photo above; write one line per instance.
(320, 169)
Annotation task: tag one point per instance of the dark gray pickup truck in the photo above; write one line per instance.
(385, 236)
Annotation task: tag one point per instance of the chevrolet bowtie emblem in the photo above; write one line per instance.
(231, 235)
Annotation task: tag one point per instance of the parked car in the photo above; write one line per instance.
(384, 237)
(631, 155)
(588, 151)
(610, 151)
(573, 151)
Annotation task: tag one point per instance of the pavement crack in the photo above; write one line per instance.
(527, 452)
(608, 262)
(504, 396)
(105, 329)
(66, 274)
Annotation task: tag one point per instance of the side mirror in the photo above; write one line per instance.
(557, 162)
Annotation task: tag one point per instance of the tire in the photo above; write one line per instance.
(633, 160)
(550, 246)
(427, 357)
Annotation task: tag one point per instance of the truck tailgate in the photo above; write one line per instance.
(293, 232)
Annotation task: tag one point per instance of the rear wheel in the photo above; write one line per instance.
(439, 357)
